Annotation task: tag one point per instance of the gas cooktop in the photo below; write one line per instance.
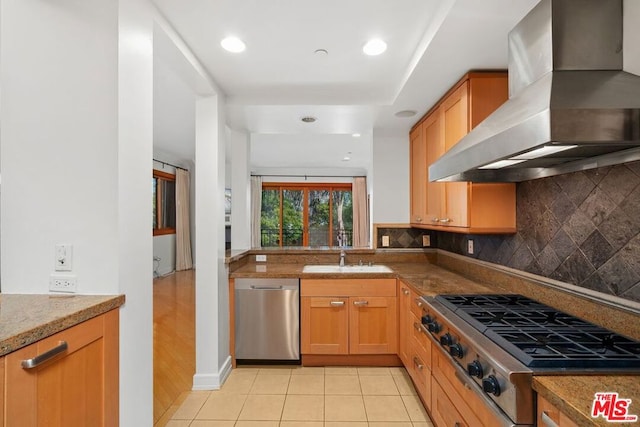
(540, 336)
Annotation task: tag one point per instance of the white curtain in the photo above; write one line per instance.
(360, 217)
(183, 234)
(256, 210)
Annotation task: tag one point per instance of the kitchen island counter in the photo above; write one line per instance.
(25, 319)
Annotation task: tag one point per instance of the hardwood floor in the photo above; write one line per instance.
(173, 342)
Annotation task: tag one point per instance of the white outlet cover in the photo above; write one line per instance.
(67, 283)
(470, 246)
(261, 258)
(63, 257)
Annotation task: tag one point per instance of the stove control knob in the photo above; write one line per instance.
(446, 339)
(434, 327)
(491, 385)
(456, 351)
(475, 369)
(426, 319)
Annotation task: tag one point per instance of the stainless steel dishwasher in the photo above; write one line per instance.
(267, 319)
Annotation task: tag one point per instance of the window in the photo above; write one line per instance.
(164, 203)
(306, 215)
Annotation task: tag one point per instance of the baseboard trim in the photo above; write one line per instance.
(212, 381)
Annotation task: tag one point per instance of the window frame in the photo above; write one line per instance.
(306, 187)
(160, 175)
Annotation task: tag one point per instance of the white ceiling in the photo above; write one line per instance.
(279, 79)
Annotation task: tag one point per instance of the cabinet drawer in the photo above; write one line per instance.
(469, 404)
(420, 339)
(348, 287)
(444, 412)
(416, 305)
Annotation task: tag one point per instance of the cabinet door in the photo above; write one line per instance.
(77, 388)
(373, 325)
(456, 125)
(418, 176)
(434, 140)
(324, 325)
(404, 318)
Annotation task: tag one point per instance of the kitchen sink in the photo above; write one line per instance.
(332, 268)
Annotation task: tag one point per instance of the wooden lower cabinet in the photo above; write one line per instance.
(444, 412)
(78, 388)
(348, 316)
(467, 403)
(325, 327)
(549, 415)
(404, 319)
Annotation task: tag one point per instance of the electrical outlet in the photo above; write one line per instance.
(470, 246)
(63, 257)
(385, 241)
(261, 258)
(426, 240)
(63, 283)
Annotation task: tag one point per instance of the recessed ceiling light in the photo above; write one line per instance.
(233, 44)
(321, 52)
(346, 158)
(406, 113)
(308, 119)
(374, 47)
(355, 135)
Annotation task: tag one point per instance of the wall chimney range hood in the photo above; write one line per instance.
(570, 107)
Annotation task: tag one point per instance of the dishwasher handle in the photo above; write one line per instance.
(266, 288)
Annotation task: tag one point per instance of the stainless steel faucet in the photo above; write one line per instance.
(342, 256)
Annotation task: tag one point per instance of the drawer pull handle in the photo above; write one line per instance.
(405, 291)
(419, 303)
(547, 420)
(336, 303)
(46, 356)
(418, 364)
(463, 380)
(417, 326)
(360, 303)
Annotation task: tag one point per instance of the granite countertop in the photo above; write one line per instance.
(25, 319)
(573, 395)
(426, 279)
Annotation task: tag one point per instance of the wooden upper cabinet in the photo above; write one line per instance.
(465, 207)
(418, 173)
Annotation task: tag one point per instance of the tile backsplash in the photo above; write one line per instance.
(404, 237)
(581, 228)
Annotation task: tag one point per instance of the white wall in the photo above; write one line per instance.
(59, 80)
(240, 191)
(390, 202)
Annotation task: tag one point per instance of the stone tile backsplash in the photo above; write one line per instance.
(404, 237)
(581, 228)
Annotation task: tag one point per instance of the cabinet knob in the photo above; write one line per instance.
(435, 219)
(405, 291)
(418, 364)
(418, 219)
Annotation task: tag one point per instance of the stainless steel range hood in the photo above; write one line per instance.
(570, 107)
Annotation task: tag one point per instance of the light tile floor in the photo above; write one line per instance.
(306, 397)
